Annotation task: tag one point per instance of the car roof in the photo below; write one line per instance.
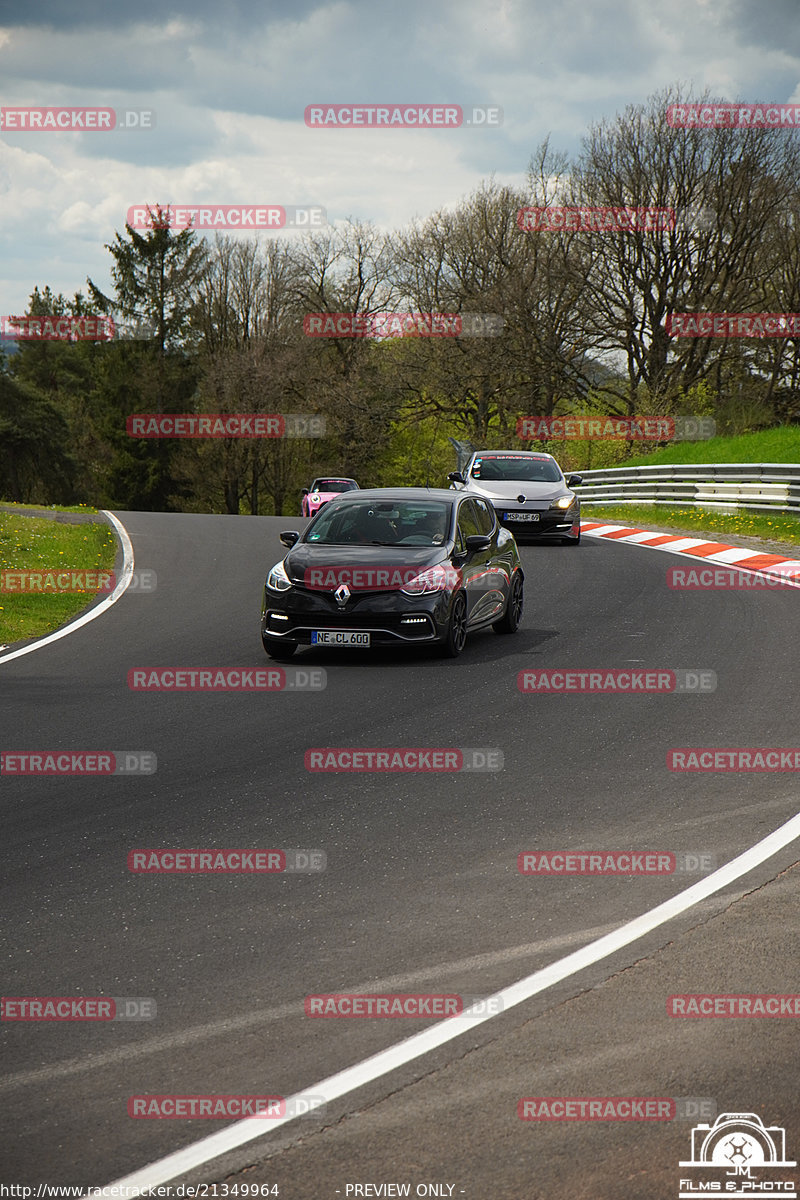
(338, 478)
(514, 453)
(399, 493)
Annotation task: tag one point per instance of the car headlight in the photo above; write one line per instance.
(278, 580)
(563, 502)
(432, 579)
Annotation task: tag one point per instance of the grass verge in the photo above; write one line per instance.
(68, 508)
(31, 543)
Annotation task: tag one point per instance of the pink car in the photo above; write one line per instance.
(323, 490)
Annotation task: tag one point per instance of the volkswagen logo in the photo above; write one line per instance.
(342, 595)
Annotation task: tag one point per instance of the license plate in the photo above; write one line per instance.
(339, 637)
(514, 516)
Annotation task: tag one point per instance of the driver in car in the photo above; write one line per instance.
(429, 530)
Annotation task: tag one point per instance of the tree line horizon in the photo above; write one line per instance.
(585, 328)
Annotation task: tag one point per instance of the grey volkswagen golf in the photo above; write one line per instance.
(528, 492)
(391, 567)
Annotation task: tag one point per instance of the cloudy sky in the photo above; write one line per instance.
(229, 83)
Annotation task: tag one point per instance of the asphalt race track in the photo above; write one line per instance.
(421, 891)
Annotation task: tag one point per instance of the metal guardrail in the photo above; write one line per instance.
(771, 486)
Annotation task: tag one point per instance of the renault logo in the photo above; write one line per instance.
(342, 595)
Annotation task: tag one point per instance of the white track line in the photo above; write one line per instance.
(644, 536)
(122, 586)
(681, 544)
(790, 568)
(603, 529)
(201, 1152)
(733, 556)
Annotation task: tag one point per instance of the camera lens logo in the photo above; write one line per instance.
(738, 1154)
(742, 1150)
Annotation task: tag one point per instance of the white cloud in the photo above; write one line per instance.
(229, 88)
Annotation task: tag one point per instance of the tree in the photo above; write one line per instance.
(154, 277)
(36, 466)
(63, 372)
(741, 178)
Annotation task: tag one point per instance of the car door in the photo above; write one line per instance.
(497, 582)
(476, 567)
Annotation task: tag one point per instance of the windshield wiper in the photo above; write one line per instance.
(383, 543)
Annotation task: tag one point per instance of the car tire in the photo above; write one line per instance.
(456, 636)
(278, 649)
(509, 622)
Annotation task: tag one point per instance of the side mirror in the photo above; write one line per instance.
(456, 477)
(478, 541)
(289, 537)
(574, 480)
(305, 491)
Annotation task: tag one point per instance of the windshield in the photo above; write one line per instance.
(381, 522)
(334, 485)
(515, 466)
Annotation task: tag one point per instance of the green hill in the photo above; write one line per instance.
(781, 444)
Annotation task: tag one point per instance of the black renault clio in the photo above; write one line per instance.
(393, 566)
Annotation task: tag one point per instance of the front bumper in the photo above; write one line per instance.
(391, 618)
(551, 524)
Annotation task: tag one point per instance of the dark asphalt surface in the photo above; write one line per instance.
(421, 892)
